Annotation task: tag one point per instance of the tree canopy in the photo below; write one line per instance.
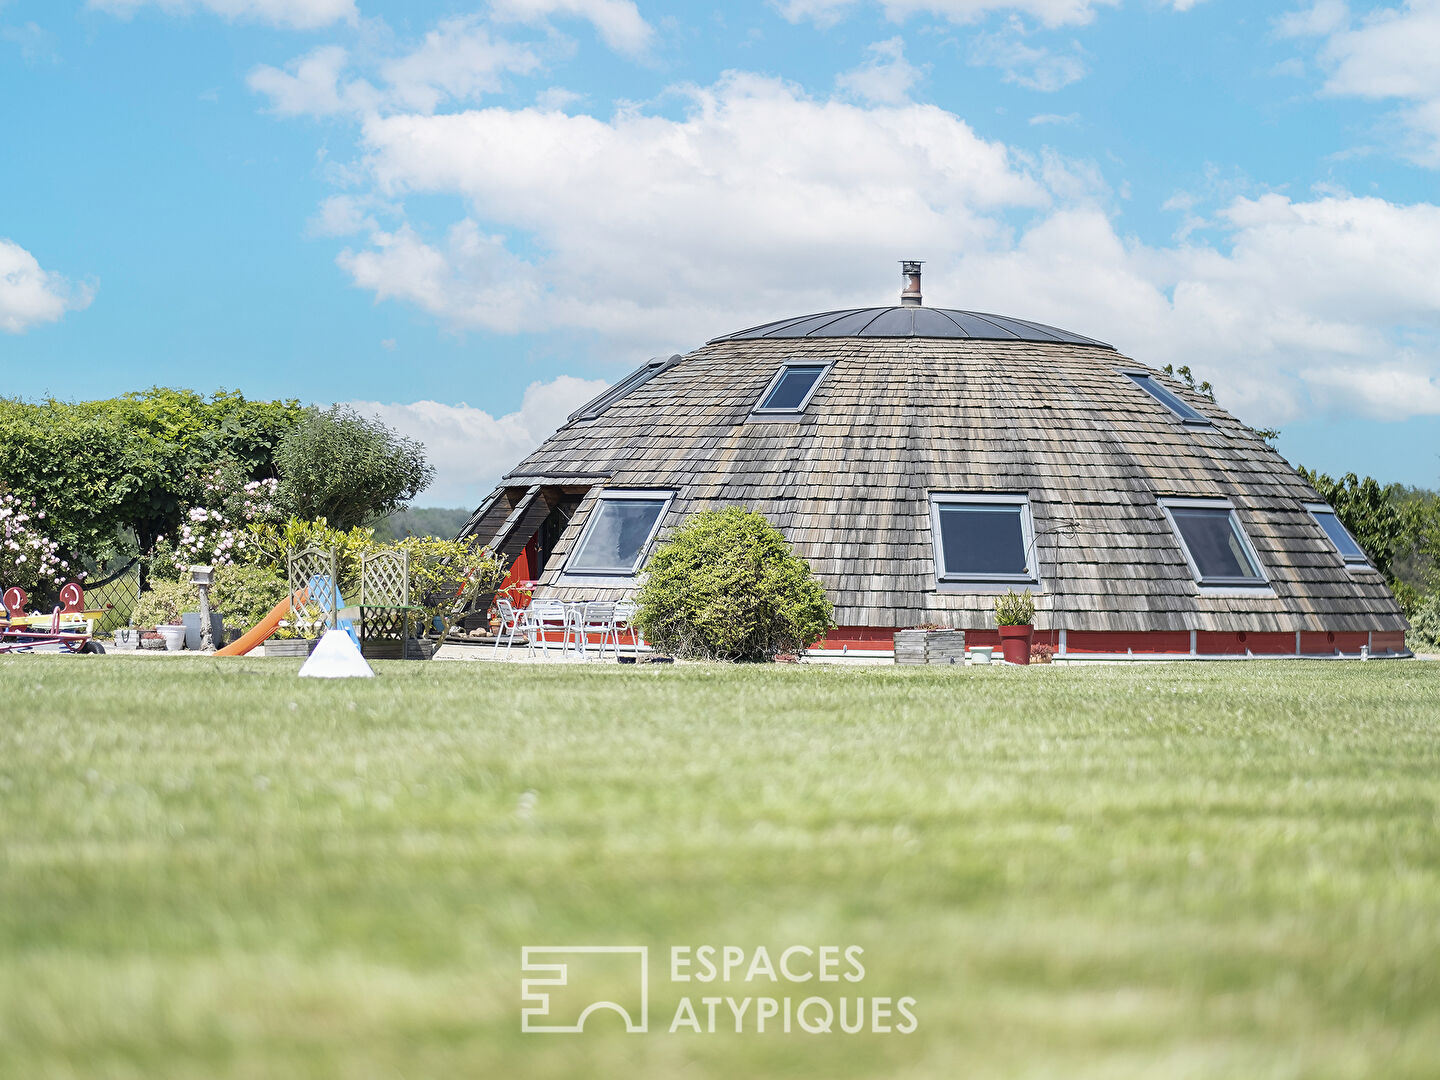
(131, 463)
(347, 468)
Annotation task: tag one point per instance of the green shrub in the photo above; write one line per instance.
(242, 594)
(164, 603)
(1015, 609)
(1424, 635)
(727, 587)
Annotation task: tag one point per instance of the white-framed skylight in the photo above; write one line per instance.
(791, 389)
(1216, 548)
(617, 536)
(1334, 529)
(1163, 394)
(983, 539)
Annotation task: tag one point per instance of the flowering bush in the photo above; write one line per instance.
(215, 531)
(28, 557)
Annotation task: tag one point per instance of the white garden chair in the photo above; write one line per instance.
(625, 624)
(542, 618)
(511, 623)
(598, 617)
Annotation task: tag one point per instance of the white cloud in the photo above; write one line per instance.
(30, 295)
(471, 280)
(345, 215)
(1031, 66)
(299, 14)
(651, 227)
(557, 98)
(470, 448)
(310, 85)
(458, 61)
(618, 22)
(1331, 301)
(652, 233)
(820, 12)
(1387, 55)
(886, 78)
(1049, 13)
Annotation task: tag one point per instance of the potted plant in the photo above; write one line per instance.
(160, 608)
(1015, 616)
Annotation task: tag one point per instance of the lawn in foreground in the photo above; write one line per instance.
(214, 869)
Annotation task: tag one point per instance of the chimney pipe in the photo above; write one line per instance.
(910, 295)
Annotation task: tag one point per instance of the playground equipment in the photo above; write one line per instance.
(69, 628)
(385, 624)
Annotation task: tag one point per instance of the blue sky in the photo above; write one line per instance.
(469, 216)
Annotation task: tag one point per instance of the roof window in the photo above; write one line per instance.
(1161, 393)
(983, 539)
(1215, 546)
(1329, 521)
(630, 383)
(619, 532)
(791, 388)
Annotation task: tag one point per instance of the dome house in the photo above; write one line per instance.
(925, 459)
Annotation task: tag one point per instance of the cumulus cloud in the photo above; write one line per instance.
(458, 61)
(299, 14)
(650, 233)
(648, 227)
(1049, 13)
(470, 448)
(1326, 303)
(1387, 55)
(468, 280)
(885, 78)
(30, 295)
(310, 85)
(618, 22)
(1034, 67)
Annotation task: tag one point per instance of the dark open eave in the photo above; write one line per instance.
(905, 321)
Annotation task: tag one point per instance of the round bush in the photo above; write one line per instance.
(727, 587)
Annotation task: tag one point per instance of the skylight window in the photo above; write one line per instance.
(983, 539)
(1215, 546)
(791, 389)
(1161, 393)
(628, 385)
(1350, 551)
(619, 532)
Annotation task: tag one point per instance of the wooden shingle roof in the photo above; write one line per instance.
(897, 418)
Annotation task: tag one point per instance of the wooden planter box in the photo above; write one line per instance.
(415, 649)
(929, 646)
(287, 646)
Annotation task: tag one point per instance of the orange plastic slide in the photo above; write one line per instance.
(264, 628)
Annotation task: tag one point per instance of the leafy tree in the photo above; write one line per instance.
(102, 468)
(347, 468)
(727, 587)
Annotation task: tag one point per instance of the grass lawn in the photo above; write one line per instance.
(211, 869)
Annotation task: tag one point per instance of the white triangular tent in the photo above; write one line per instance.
(336, 657)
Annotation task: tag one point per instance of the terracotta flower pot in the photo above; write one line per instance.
(1015, 643)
